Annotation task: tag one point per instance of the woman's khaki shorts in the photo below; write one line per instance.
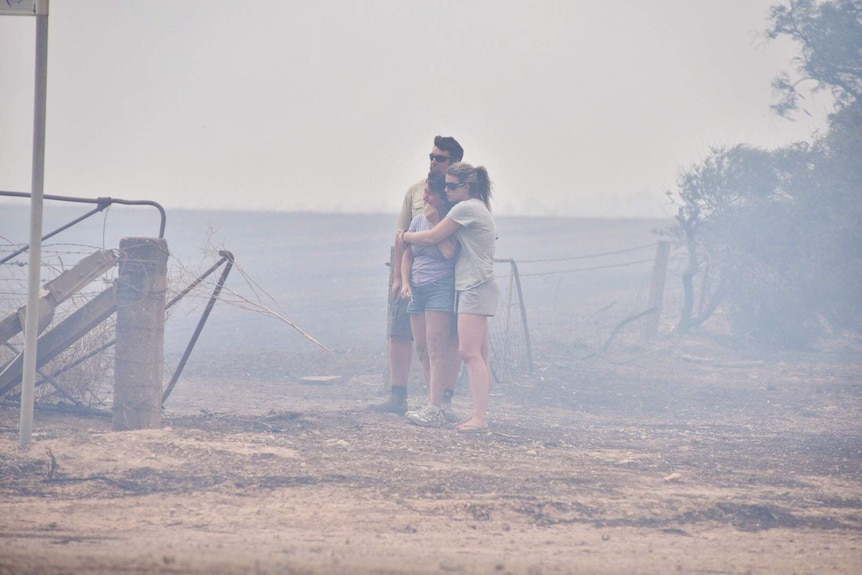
(479, 300)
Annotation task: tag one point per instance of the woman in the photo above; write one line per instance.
(428, 280)
(471, 224)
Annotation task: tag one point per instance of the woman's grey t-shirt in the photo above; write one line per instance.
(477, 236)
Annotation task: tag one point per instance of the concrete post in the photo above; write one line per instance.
(139, 355)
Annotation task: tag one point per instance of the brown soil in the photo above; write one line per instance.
(690, 459)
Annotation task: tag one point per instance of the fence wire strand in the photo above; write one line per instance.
(509, 332)
(588, 256)
(590, 269)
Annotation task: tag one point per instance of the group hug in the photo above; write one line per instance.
(443, 290)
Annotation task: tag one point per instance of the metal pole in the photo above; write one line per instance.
(102, 203)
(517, 277)
(31, 322)
(226, 256)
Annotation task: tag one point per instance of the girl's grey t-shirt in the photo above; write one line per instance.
(429, 263)
(477, 236)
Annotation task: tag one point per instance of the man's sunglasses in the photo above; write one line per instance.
(440, 159)
(454, 185)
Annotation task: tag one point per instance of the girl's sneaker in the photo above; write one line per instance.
(428, 416)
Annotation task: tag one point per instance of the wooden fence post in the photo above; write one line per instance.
(656, 292)
(390, 313)
(140, 348)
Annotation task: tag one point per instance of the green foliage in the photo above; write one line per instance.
(833, 220)
(776, 236)
(830, 37)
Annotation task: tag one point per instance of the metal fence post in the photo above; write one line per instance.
(139, 356)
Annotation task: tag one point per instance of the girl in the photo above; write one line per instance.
(428, 277)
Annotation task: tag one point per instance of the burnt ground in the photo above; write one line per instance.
(693, 457)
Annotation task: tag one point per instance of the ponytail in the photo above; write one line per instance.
(482, 186)
(477, 178)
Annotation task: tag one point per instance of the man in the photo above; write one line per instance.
(446, 151)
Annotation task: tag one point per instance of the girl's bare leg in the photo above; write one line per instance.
(417, 325)
(438, 325)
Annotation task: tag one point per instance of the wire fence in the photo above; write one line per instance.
(601, 307)
(83, 373)
(564, 305)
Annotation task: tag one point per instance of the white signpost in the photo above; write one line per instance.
(39, 9)
(24, 7)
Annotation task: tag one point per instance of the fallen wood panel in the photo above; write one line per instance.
(62, 336)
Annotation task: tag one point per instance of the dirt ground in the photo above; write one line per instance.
(693, 458)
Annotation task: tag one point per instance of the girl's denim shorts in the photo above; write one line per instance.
(435, 296)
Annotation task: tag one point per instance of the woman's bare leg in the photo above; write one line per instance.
(474, 349)
(452, 362)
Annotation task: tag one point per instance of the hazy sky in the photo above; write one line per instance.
(576, 107)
